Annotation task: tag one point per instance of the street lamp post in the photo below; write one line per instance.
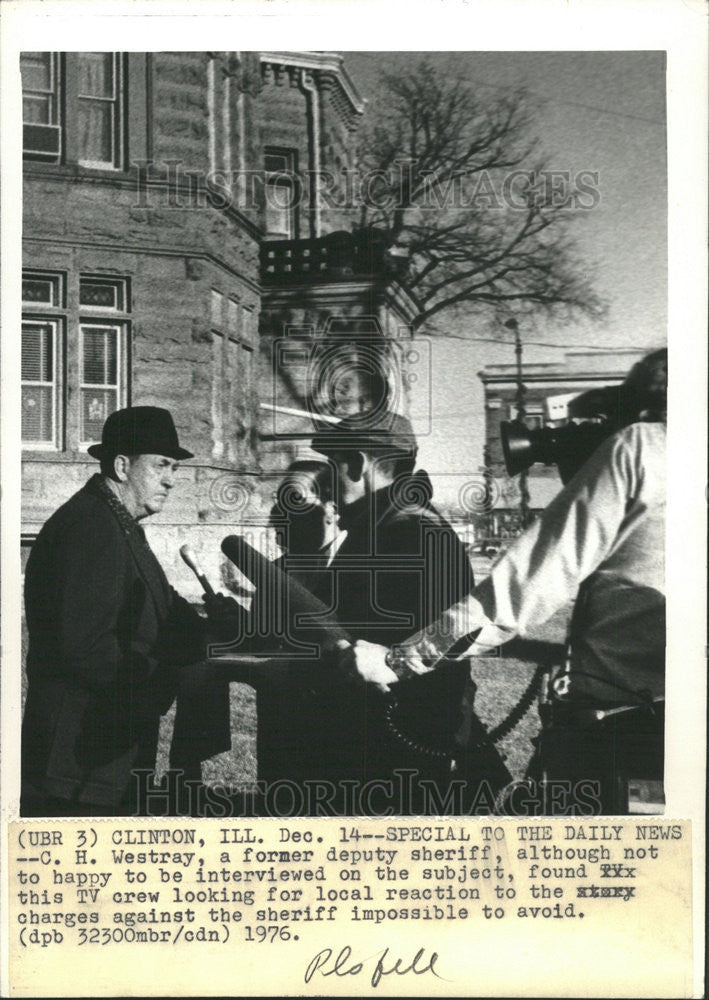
(512, 324)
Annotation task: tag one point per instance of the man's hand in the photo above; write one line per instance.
(220, 606)
(370, 661)
(225, 615)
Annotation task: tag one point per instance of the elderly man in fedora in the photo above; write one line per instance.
(110, 642)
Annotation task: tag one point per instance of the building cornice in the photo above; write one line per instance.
(552, 381)
(602, 366)
(329, 62)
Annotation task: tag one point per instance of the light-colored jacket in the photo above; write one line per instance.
(600, 542)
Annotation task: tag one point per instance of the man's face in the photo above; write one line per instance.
(351, 483)
(312, 521)
(149, 479)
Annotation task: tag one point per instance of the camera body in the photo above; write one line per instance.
(588, 419)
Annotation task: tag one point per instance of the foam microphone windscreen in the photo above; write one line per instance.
(281, 599)
(190, 558)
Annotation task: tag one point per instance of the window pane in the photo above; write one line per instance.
(103, 294)
(216, 308)
(231, 388)
(231, 375)
(96, 405)
(38, 290)
(217, 360)
(279, 194)
(100, 356)
(36, 70)
(232, 316)
(279, 198)
(37, 110)
(38, 413)
(96, 74)
(96, 131)
(246, 324)
(37, 352)
(277, 162)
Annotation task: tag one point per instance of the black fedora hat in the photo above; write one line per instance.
(139, 430)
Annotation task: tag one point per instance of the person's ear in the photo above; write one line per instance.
(121, 465)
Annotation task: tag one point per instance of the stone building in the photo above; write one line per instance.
(577, 372)
(185, 245)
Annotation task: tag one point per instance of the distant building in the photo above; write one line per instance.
(579, 371)
(180, 250)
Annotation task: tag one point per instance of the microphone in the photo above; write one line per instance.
(247, 559)
(280, 594)
(190, 557)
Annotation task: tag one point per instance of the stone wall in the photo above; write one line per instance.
(180, 108)
(178, 234)
(338, 137)
(175, 246)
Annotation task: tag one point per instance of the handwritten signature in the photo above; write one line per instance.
(343, 965)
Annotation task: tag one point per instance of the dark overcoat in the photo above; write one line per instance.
(106, 636)
(400, 566)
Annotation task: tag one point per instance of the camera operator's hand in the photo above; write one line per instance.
(370, 663)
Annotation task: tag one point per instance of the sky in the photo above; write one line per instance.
(599, 111)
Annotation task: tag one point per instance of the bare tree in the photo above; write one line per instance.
(459, 187)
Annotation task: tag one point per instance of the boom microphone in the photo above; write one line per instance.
(190, 557)
(280, 596)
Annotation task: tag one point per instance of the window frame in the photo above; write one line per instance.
(217, 364)
(56, 384)
(217, 317)
(69, 318)
(57, 282)
(54, 92)
(285, 178)
(49, 312)
(531, 410)
(104, 316)
(81, 385)
(122, 294)
(118, 101)
(131, 128)
(57, 113)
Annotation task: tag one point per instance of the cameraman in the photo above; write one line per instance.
(600, 541)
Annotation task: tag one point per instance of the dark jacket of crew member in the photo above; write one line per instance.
(400, 564)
